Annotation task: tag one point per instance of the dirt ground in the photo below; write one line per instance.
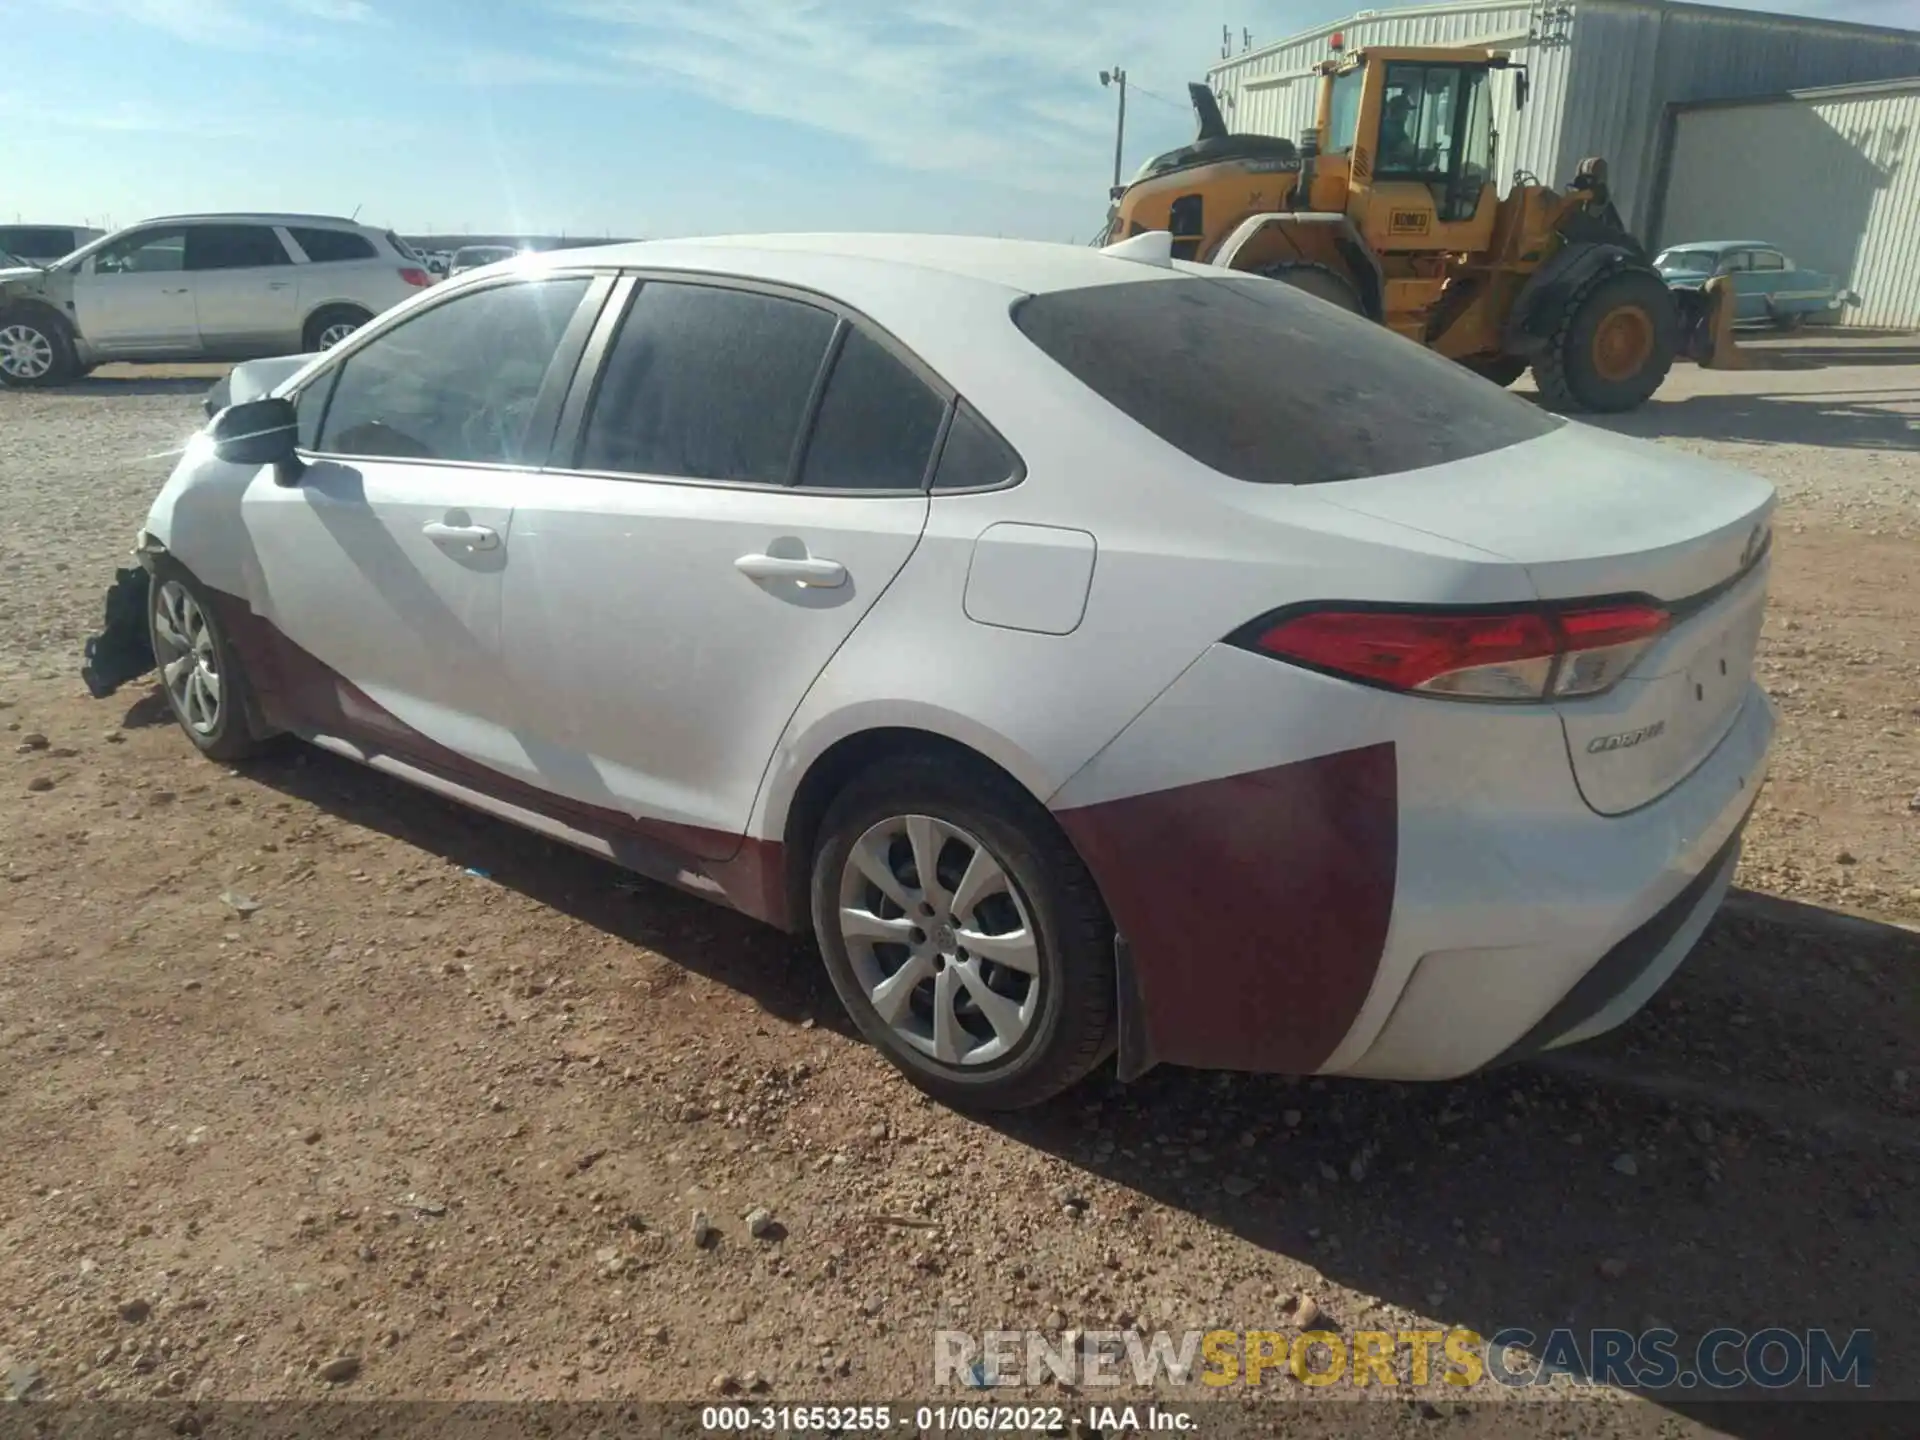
(432, 1121)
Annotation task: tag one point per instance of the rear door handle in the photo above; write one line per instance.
(474, 537)
(181, 291)
(823, 574)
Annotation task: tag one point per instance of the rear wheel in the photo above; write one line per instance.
(963, 934)
(1787, 323)
(1613, 347)
(1319, 281)
(330, 326)
(35, 350)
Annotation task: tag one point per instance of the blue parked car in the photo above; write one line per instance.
(1772, 289)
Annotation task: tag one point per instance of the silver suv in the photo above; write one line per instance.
(201, 287)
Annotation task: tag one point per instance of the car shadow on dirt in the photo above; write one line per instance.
(783, 974)
(1740, 1155)
(107, 386)
(1842, 419)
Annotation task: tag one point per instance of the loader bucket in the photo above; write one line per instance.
(1707, 317)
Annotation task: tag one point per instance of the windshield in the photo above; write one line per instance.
(1687, 262)
(481, 254)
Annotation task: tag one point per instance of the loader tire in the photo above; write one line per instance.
(1320, 281)
(1613, 346)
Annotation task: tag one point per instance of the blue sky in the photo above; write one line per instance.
(636, 117)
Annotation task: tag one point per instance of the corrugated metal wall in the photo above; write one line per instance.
(1604, 94)
(1834, 180)
(1633, 58)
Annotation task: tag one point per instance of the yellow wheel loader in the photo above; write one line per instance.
(1389, 207)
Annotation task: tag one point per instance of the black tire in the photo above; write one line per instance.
(329, 316)
(1320, 281)
(1569, 373)
(1072, 1025)
(232, 736)
(43, 331)
(1501, 370)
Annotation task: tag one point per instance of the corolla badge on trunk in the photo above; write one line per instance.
(1626, 739)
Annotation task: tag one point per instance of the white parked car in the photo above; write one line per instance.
(472, 257)
(1095, 652)
(201, 287)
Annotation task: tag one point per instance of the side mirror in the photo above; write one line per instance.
(258, 432)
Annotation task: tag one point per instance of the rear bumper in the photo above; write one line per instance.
(1547, 971)
(1386, 888)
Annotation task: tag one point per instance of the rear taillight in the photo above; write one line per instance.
(416, 277)
(1516, 655)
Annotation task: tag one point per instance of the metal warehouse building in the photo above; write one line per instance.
(1832, 176)
(1625, 78)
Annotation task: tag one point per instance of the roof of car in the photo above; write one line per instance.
(1724, 245)
(261, 217)
(1027, 266)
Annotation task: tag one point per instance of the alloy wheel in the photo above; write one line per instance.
(26, 352)
(189, 662)
(940, 940)
(333, 334)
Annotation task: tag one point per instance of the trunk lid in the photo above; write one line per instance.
(1590, 515)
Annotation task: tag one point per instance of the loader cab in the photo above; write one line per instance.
(1411, 133)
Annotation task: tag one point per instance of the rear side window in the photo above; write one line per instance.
(973, 457)
(1267, 384)
(322, 246)
(233, 247)
(877, 423)
(459, 381)
(707, 384)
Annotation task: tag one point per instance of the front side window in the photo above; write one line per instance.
(1769, 260)
(1736, 262)
(234, 247)
(1263, 382)
(456, 382)
(144, 252)
(1685, 262)
(876, 425)
(706, 383)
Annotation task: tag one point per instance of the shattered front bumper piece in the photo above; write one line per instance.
(123, 650)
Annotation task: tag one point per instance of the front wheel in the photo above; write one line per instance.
(963, 933)
(35, 351)
(206, 688)
(1613, 347)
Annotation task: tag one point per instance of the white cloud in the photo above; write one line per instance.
(232, 24)
(995, 90)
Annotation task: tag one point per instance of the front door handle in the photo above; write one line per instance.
(279, 284)
(821, 574)
(474, 537)
(181, 291)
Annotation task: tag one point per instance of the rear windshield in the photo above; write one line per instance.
(1268, 384)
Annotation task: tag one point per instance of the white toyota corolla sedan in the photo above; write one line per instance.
(1095, 652)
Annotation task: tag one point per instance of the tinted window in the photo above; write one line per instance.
(1737, 260)
(1769, 260)
(877, 423)
(233, 247)
(707, 383)
(456, 382)
(1265, 383)
(324, 245)
(144, 252)
(973, 457)
(40, 241)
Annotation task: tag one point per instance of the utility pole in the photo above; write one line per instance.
(1117, 76)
